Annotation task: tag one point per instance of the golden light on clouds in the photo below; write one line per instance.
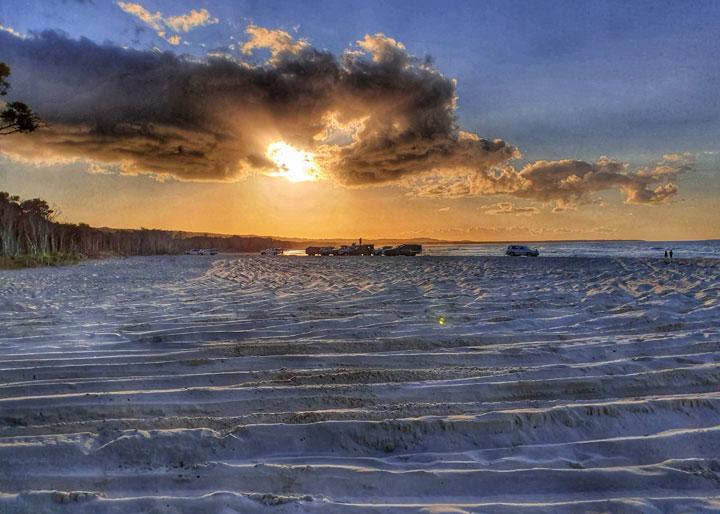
(295, 165)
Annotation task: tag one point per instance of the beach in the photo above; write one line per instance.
(234, 383)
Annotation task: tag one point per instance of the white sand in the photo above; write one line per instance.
(227, 384)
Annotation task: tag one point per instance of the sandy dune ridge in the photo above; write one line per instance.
(432, 384)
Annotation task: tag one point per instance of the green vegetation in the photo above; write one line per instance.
(45, 259)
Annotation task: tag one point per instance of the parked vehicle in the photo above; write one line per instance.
(194, 251)
(404, 249)
(381, 250)
(518, 250)
(272, 251)
(321, 250)
(209, 251)
(354, 249)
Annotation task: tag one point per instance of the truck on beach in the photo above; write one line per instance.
(321, 250)
(354, 249)
(517, 250)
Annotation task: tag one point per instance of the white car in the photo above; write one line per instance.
(209, 251)
(516, 250)
(194, 251)
(272, 251)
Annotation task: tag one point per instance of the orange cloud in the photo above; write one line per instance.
(510, 208)
(161, 24)
(275, 40)
(187, 22)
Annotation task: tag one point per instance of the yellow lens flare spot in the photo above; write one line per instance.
(295, 165)
(441, 320)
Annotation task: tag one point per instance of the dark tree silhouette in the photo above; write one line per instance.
(15, 116)
(4, 84)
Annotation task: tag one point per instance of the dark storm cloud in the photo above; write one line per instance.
(153, 112)
(373, 115)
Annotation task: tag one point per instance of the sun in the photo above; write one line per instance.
(295, 165)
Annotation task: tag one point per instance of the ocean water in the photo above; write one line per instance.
(681, 249)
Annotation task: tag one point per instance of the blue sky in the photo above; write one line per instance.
(556, 79)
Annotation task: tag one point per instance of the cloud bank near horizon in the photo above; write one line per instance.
(373, 115)
(565, 183)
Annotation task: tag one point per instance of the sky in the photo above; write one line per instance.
(480, 120)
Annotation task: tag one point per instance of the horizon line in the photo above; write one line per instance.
(426, 239)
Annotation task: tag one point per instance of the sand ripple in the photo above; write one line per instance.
(433, 384)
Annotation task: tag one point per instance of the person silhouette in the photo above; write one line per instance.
(666, 254)
(671, 253)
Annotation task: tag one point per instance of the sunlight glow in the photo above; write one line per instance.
(295, 165)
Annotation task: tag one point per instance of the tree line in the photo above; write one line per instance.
(29, 235)
(238, 243)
